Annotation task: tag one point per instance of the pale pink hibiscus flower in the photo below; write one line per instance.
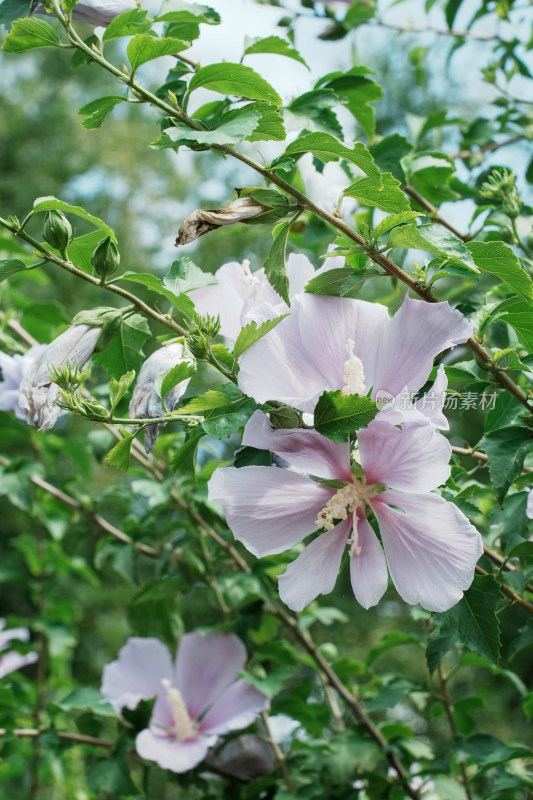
(431, 548)
(11, 660)
(198, 696)
(329, 343)
(241, 296)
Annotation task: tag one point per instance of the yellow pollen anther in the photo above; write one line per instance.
(343, 502)
(184, 727)
(354, 374)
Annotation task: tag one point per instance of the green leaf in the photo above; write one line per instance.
(433, 239)
(275, 44)
(184, 459)
(337, 414)
(235, 79)
(498, 259)
(10, 267)
(389, 152)
(506, 449)
(231, 131)
(357, 91)
(81, 249)
(340, 282)
(128, 24)
(326, 148)
(178, 373)
(393, 221)
(53, 204)
(268, 127)
(506, 409)
(184, 276)
(178, 11)
(119, 455)
(359, 13)
(211, 399)
(113, 776)
(117, 389)
(29, 33)
(472, 622)
(387, 197)
(87, 698)
(11, 10)
(519, 315)
(124, 352)
(97, 110)
(315, 109)
(180, 301)
(251, 334)
(224, 419)
(143, 48)
(275, 269)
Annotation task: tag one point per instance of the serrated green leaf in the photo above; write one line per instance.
(128, 23)
(387, 197)
(506, 449)
(341, 282)
(337, 414)
(184, 459)
(113, 776)
(28, 33)
(434, 239)
(81, 249)
(231, 131)
(275, 270)
(357, 91)
(125, 350)
(117, 389)
(315, 109)
(277, 45)
(97, 110)
(179, 11)
(87, 698)
(251, 334)
(326, 148)
(10, 267)
(184, 276)
(519, 315)
(498, 259)
(152, 282)
(143, 48)
(53, 204)
(235, 79)
(180, 372)
(119, 455)
(226, 420)
(393, 221)
(204, 402)
(11, 10)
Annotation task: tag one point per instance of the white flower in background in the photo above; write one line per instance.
(37, 392)
(529, 506)
(326, 188)
(95, 12)
(11, 660)
(242, 296)
(145, 402)
(13, 370)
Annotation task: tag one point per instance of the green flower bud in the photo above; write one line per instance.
(284, 417)
(105, 258)
(57, 230)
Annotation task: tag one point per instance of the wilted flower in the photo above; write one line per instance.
(242, 296)
(13, 370)
(145, 402)
(245, 758)
(198, 697)
(329, 343)
(95, 12)
(10, 661)
(37, 392)
(430, 546)
(202, 221)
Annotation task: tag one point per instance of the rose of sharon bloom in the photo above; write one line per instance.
(329, 343)
(13, 370)
(95, 12)
(198, 697)
(37, 392)
(145, 402)
(430, 547)
(242, 296)
(10, 661)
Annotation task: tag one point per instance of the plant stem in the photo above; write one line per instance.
(278, 753)
(451, 722)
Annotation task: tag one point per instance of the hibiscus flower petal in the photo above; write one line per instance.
(236, 708)
(529, 506)
(413, 459)
(224, 299)
(316, 569)
(415, 335)
(206, 666)
(137, 673)
(306, 451)
(268, 509)
(368, 568)
(431, 547)
(428, 409)
(168, 753)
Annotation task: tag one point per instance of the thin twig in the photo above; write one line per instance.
(77, 738)
(453, 728)
(479, 37)
(278, 753)
(513, 596)
(488, 148)
(433, 213)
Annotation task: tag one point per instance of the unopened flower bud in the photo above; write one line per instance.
(284, 417)
(57, 230)
(105, 258)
